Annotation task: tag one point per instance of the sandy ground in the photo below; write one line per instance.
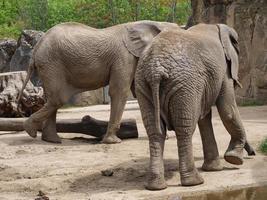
(72, 170)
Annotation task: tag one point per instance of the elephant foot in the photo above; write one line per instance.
(234, 153)
(54, 138)
(30, 128)
(212, 165)
(156, 182)
(50, 135)
(234, 157)
(191, 179)
(111, 139)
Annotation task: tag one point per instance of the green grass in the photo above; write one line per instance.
(9, 31)
(263, 146)
(251, 103)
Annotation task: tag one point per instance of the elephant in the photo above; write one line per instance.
(179, 77)
(71, 58)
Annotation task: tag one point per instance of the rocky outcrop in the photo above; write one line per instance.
(7, 49)
(10, 86)
(15, 55)
(88, 98)
(249, 18)
(20, 59)
(22, 55)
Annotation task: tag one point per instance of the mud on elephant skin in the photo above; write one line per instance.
(178, 78)
(72, 58)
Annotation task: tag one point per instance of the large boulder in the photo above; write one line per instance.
(249, 19)
(88, 98)
(7, 49)
(10, 86)
(20, 59)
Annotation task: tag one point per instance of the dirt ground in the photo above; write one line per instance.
(72, 170)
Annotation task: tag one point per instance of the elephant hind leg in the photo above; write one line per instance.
(36, 120)
(49, 132)
(45, 118)
(155, 177)
(188, 172)
(210, 149)
(184, 122)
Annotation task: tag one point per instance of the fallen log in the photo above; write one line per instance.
(87, 125)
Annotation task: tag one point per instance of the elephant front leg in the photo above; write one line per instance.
(210, 149)
(118, 102)
(249, 149)
(118, 91)
(230, 116)
(121, 78)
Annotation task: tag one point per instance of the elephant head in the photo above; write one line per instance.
(140, 34)
(229, 41)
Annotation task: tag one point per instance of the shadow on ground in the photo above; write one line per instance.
(68, 139)
(130, 175)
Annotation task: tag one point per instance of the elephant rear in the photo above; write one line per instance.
(181, 58)
(197, 65)
(165, 68)
(76, 50)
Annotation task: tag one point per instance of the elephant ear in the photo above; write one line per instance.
(139, 35)
(229, 41)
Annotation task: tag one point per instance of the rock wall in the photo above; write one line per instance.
(15, 55)
(7, 49)
(249, 19)
(21, 58)
(10, 85)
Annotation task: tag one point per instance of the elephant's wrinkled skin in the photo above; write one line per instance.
(178, 78)
(72, 58)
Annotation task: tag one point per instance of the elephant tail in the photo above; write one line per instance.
(156, 80)
(29, 74)
(156, 103)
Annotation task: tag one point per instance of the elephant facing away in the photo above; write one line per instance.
(178, 78)
(71, 58)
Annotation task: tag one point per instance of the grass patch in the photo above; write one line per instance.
(263, 146)
(251, 103)
(9, 31)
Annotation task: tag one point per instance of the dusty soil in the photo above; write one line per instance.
(72, 170)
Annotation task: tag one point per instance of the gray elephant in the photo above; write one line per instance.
(71, 58)
(178, 78)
